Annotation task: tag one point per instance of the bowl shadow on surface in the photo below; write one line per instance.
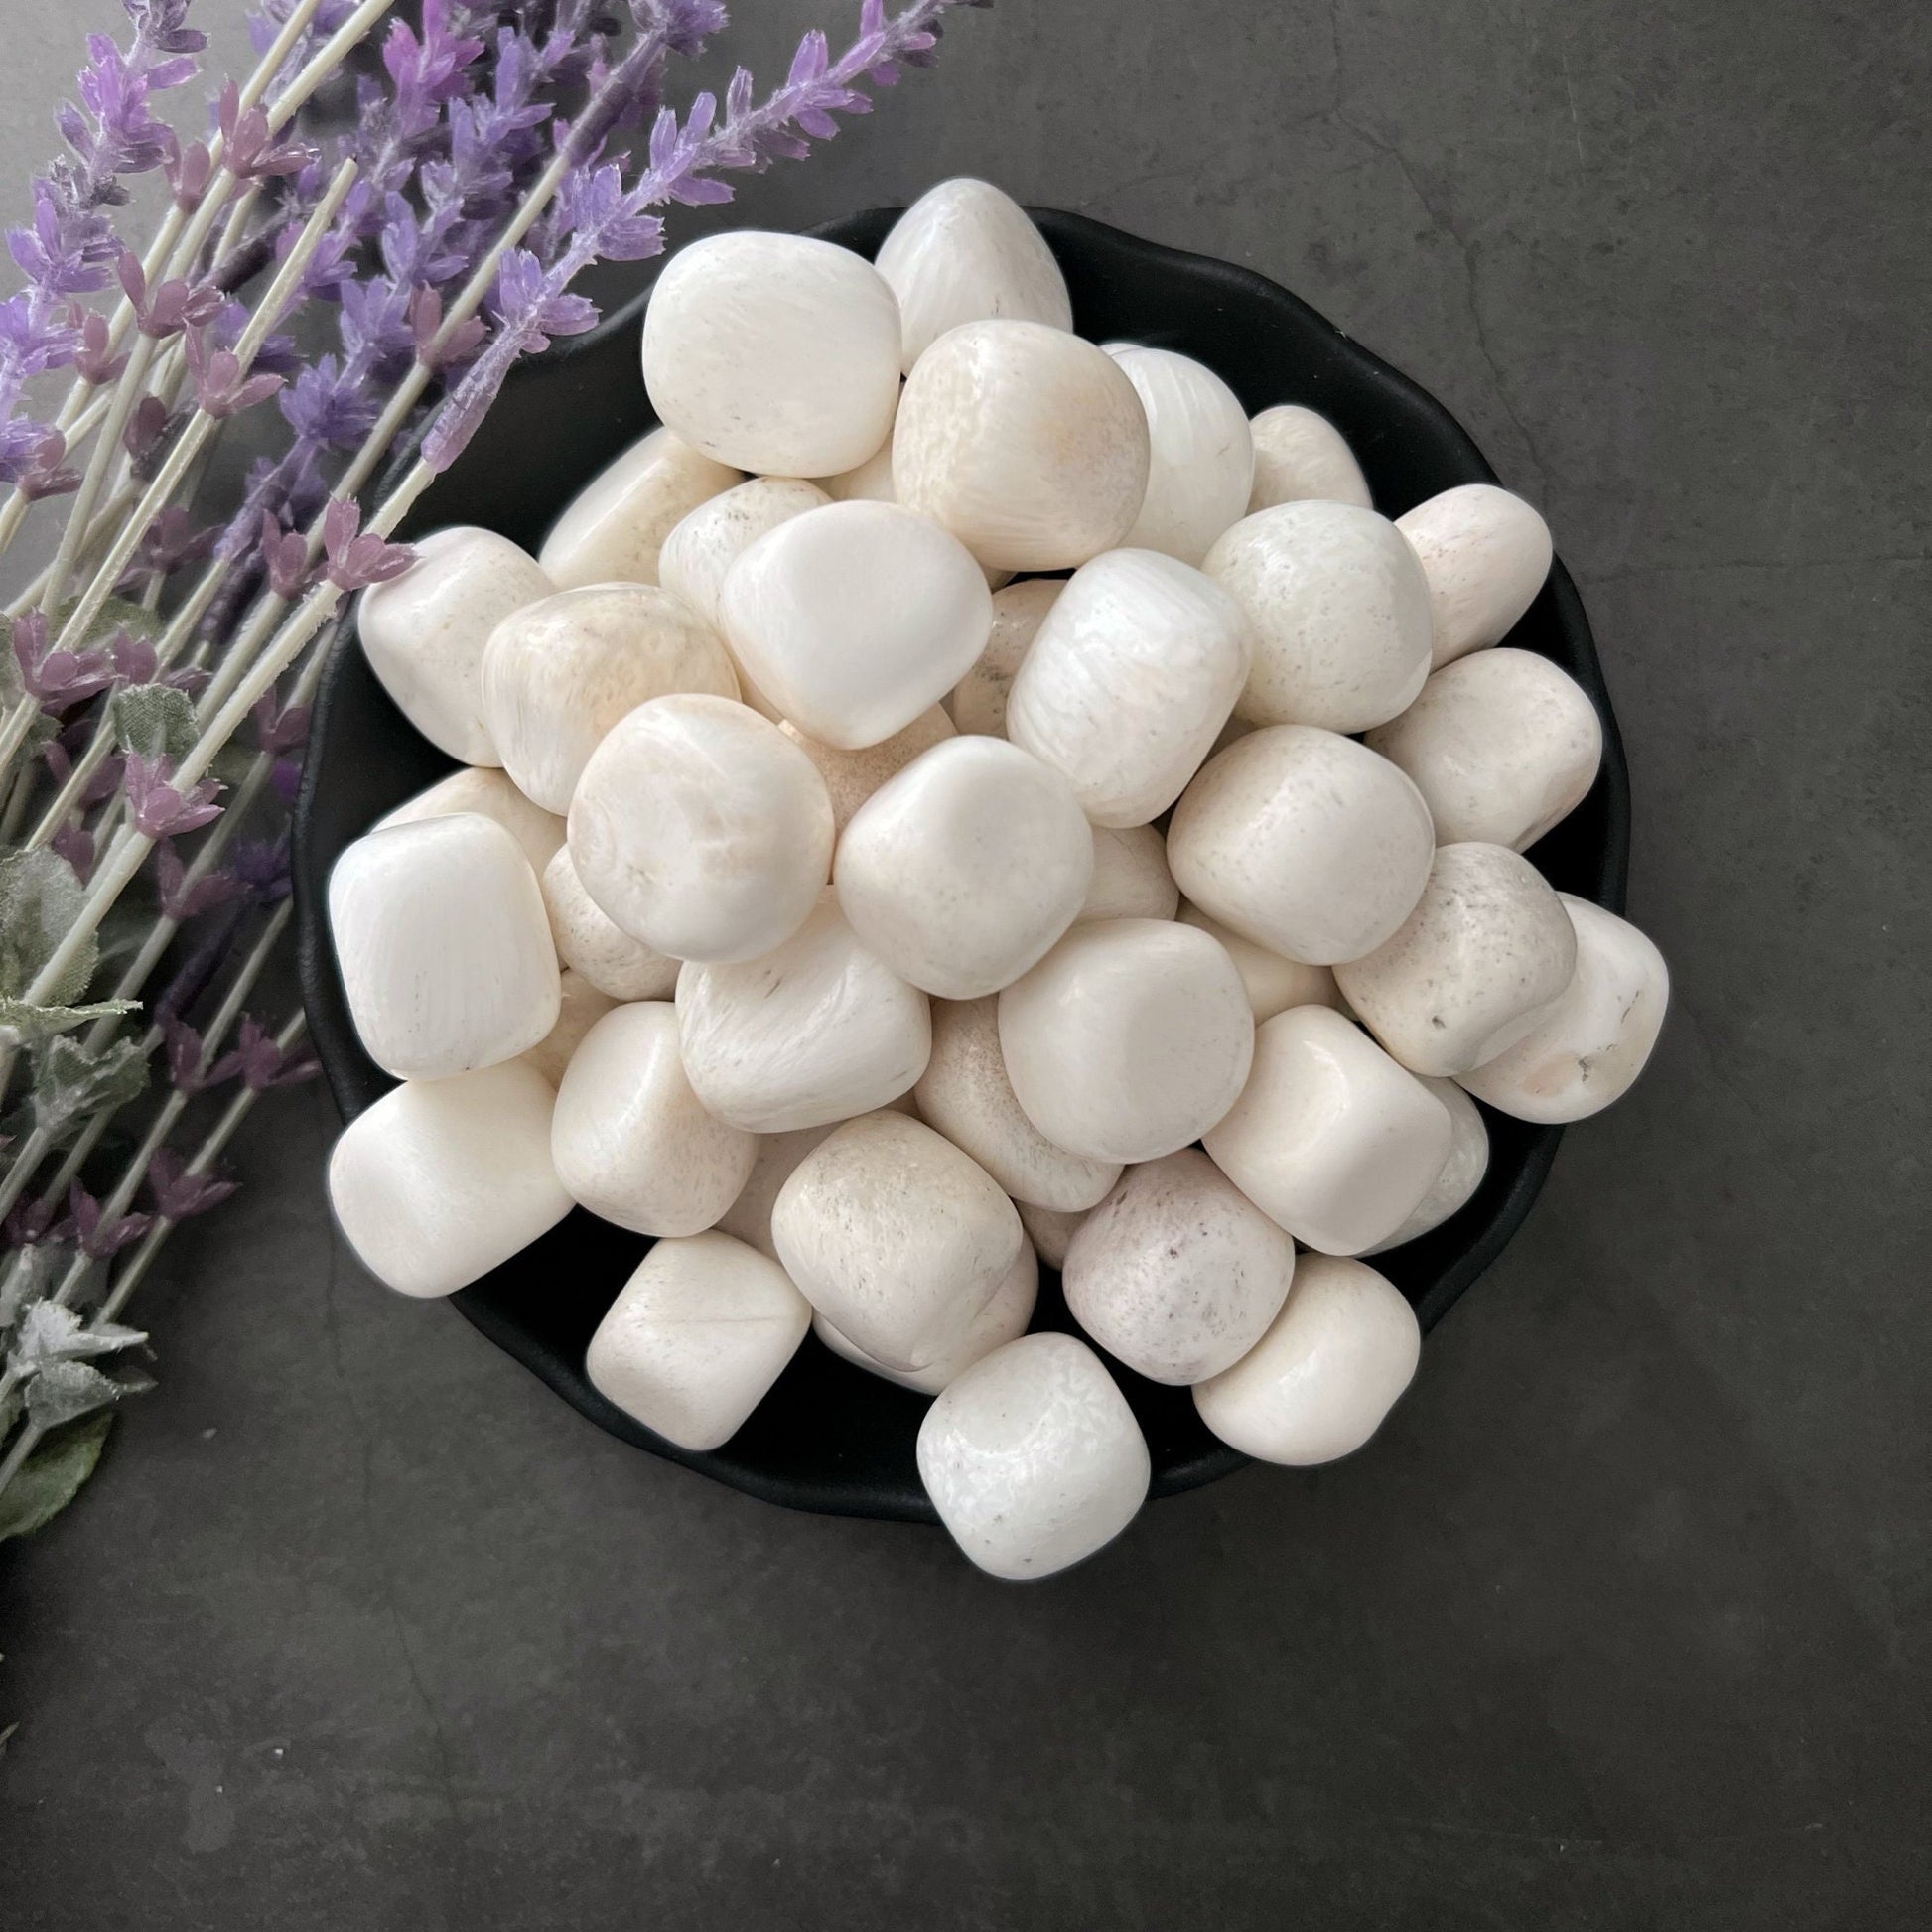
(830, 1437)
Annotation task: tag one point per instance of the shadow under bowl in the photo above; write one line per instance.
(830, 1437)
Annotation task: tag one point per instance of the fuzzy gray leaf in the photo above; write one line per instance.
(29, 1277)
(60, 1391)
(52, 1332)
(70, 1083)
(51, 1477)
(154, 721)
(22, 1024)
(41, 896)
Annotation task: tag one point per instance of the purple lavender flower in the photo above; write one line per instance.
(285, 557)
(169, 308)
(56, 679)
(220, 387)
(75, 845)
(96, 1235)
(160, 809)
(358, 561)
(249, 151)
(179, 900)
(180, 1196)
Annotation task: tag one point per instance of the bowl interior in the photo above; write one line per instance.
(830, 1437)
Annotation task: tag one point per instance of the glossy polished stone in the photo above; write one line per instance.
(700, 551)
(1301, 457)
(488, 790)
(592, 943)
(1131, 880)
(614, 529)
(1200, 452)
(1462, 1171)
(978, 702)
(851, 778)
(1274, 983)
(1486, 554)
(580, 1006)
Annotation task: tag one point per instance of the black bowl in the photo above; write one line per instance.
(830, 1437)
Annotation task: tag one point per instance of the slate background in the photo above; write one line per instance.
(1622, 1622)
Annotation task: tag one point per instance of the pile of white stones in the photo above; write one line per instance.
(804, 901)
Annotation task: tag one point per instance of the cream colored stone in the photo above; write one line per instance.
(1301, 457)
(978, 702)
(1200, 454)
(1318, 1384)
(965, 1094)
(1003, 1319)
(856, 617)
(592, 943)
(701, 829)
(1472, 969)
(1050, 1231)
(560, 672)
(898, 1238)
(442, 1180)
(1486, 554)
(487, 790)
(815, 1030)
(1032, 1458)
(698, 553)
(614, 529)
(966, 252)
(777, 352)
(1587, 1048)
(1303, 841)
(442, 946)
(1461, 1173)
(1027, 443)
(748, 1217)
(1129, 1039)
(580, 1007)
(1274, 984)
(1129, 677)
(963, 870)
(1339, 611)
(696, 1338)
(851, 778)
(1177, 1272)
(424, 632)
(870, 481)
(1330, 1138)
(1502, 745)
(1131, 880)
(630, 1140)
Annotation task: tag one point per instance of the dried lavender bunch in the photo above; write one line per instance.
(155, 677)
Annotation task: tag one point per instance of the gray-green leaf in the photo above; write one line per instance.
(23, 1024)
(60, 1391)
(41, 896)
(154, 721)
(70, 1083)
(50, 1331)
(51, 1477)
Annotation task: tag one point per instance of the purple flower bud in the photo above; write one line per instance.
(358, 561)
(249, 151)
(180, 1196)
(220, 387)
(144, 426)
(97, 1237)
(159, 809)
(285, 557)
(92, 360)
(75, 845)
(181, 901)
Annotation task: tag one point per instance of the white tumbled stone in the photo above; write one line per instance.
(696, 1338)
(1485, 553)
(1339, 611)
(1501, 745)
(1330, 1138)
(1177, 1272)
(1129, 1039)
(1274, 982)
(777, 352)
(614, 529)
(444, 950)
(580, 1007)
(1587, 1048)
(870, 481)
(698, 553)
(964, 251)
(851, 778)
(1301, 457)
(442, 1180)
(1318, 1385)
(1050, 1230)
(966, 1095)
(898, 1238)
(424, 632)
(1032, 1458)
(1025, 442)
(815, 1030)
(1466, 975)
(1131, 880)
(750, 1216)
(701, 829)
(856, 617)
(1002, 1321)
(1303, 841)
(630, 1140)
(488, 790)
(961, 872)
(1461, 1173)
(1200, 452)
(978, 702)
(1130, 676)
(560, 672)
(589, 942)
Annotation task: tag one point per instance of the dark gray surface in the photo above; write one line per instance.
(1622, 1621)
